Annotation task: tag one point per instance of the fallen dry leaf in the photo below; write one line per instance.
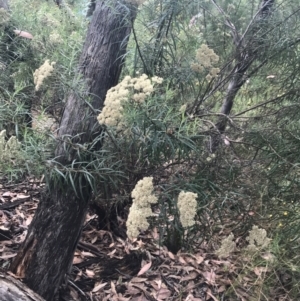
(98, 286)
(210, 277)
(163, 294)
(23, 34)
(145, 268)
(90, 273)
(138, 279)
(21, 196)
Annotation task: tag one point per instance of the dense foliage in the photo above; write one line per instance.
(197, 49)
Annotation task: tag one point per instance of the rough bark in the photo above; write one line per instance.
(91, 8)
(4, 4)
(47, 253)
(12, 289)
(246, 49)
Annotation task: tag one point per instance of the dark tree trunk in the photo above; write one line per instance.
(246, 51)
(47, 253)
(91, 8)
(4, 4)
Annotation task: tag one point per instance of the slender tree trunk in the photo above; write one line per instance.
(246, 53)
(47, 253)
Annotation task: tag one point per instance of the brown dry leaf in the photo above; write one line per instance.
(73, 294)
(113, 288)
(181, 260)
(142, 287)
(98, 286)
(132, 290)
(21, 196)
(112, 252)
(210, 277)
(140, 243)
(138, 279)
(211, 295)
(28, 221)
(79, 274)
(190, 297)
(87, 254)
(191, 276)
(191, 285)
(7, 194)
(155, 234)
(90, 273)
(260, 270)
(8, 255)
(221, 289)
(171, 255)
(199, 258)
(188, 269)
(89, 217)
(162, 294)
(145, 268)
(159, 283)
(121, 298)
(77, 260)
(23, 34)
(2, 227)
(139, 298)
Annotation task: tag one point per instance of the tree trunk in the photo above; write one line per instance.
(13, 289)
(4, 4)
(91, 8)
(47, 253)
(246, 51)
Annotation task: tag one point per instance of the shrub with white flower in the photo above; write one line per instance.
(129, 89)
(206, 58)
(42, 73)
(140, 210)
(9, 149)
(257, 239)
(227, 246)
(187, 206)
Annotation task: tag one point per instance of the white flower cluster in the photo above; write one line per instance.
(48, 19)
(257, 239)
(55, 38)
(205, 60)
(227, 246)
(129, 89)
(140, 209)
(10, 149)
(187, 205)
(42, 73)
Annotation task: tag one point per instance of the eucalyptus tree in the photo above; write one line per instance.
(47, 252)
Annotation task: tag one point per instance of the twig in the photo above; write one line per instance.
(77, 288)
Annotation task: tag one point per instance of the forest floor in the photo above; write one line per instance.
(106, 267)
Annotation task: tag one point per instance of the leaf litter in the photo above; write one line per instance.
(106, 267)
